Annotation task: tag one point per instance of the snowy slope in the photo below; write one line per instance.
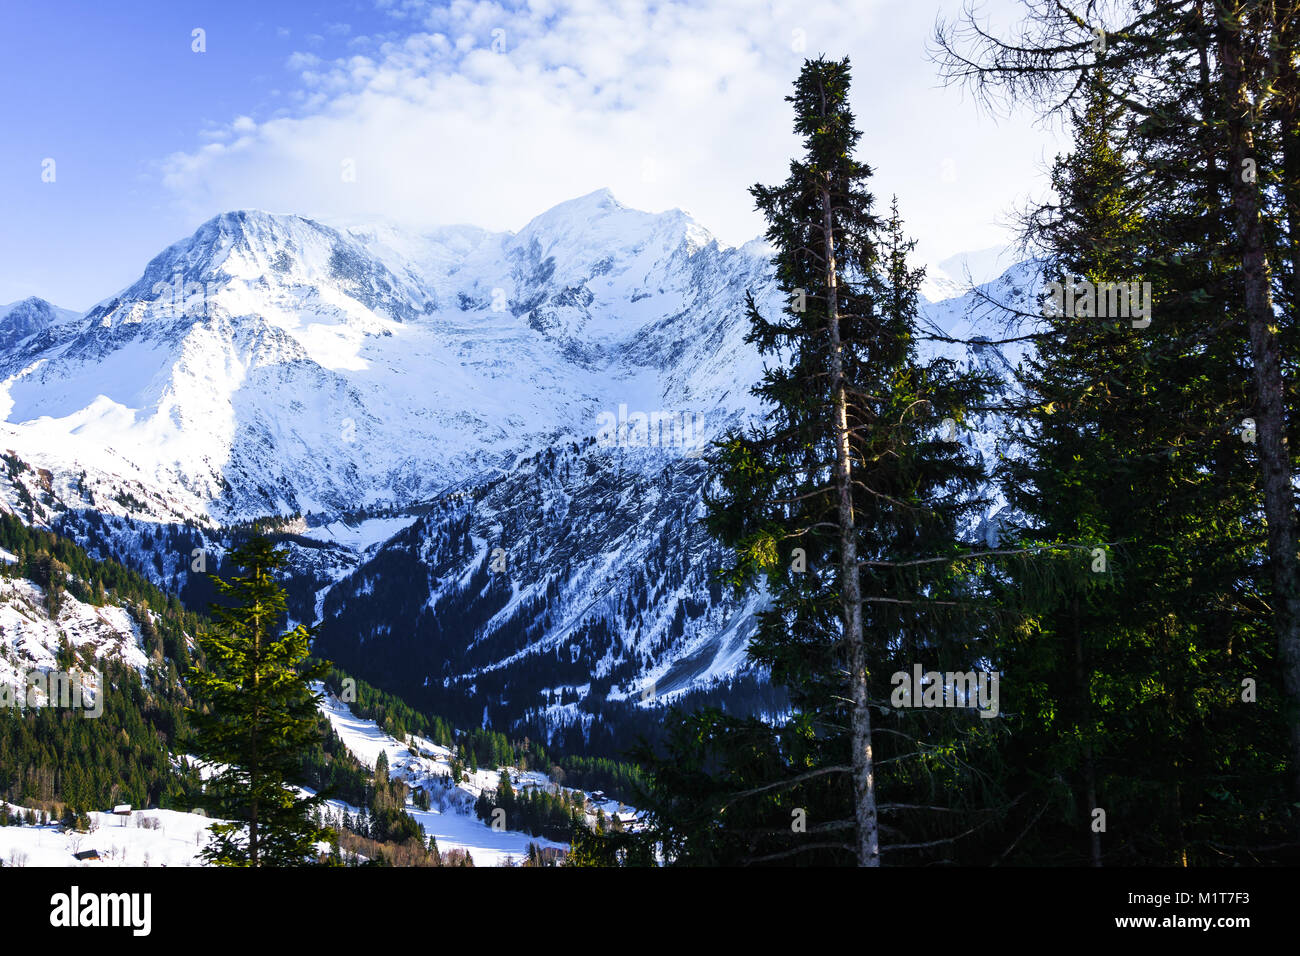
(143, 838)
(173, 838)
(30, 639)
(607, 589)
(451, 819)
(424, 399)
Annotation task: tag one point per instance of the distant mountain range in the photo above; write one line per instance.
(484, 448)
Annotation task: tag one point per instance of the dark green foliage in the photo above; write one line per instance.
(51, 756)
(537, 812)
(1129, 446)
(329, 768)
(1131, 605)
(260, 714)
(616, 779)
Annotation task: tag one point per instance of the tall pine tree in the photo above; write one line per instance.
(260, 714)
(846, 504)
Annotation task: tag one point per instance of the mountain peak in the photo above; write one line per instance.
(602, 198)
(26, 317)
(246, 217)
(250, 224)
(595, 205)
(252, 233)
(978, 266)
(30, 303)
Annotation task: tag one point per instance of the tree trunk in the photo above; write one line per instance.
(1270, 421)
(255, 761)
(1288, 100)
(1089, 764)
(864, 782)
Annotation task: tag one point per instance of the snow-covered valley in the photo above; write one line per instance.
(155, 837)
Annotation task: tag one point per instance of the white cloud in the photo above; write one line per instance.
(299, 61)
(668, 104)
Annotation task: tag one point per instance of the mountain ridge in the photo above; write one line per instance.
(516, 557)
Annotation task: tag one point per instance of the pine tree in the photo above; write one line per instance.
(505, 792)
(260, 715)
(846, 503)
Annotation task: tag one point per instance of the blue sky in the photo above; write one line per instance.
(475, 111)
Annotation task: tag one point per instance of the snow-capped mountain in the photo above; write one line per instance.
(492, 440)
(274, 364)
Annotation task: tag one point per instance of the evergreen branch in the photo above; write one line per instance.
(920, 846)
(1007, 851)
(802, 849)
(789, 782)
(982, 554)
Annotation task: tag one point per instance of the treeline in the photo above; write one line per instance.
(382, 816)
(349, 848)
(330, 768)
(482, 747)
(535, 811)
(65, 764)
(622, 781)
(380, 832)
(397, 718)
(478, 747)
(52, 757)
